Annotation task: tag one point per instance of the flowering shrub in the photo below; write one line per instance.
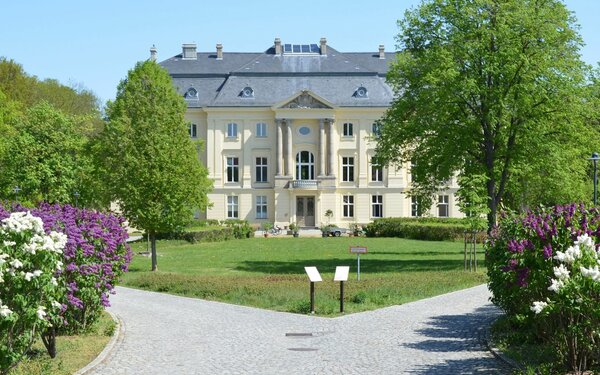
(543, 271)
(95, 256)
(30, 295)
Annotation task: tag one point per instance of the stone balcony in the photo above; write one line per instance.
(304, 184)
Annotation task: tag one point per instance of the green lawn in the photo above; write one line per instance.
(269, 272)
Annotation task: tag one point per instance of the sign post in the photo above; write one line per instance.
(341, 275)
(313, 276)
(358, 250)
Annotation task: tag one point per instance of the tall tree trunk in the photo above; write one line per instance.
(153, 250)
(492, 205)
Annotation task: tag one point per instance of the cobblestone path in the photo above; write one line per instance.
(166, 334)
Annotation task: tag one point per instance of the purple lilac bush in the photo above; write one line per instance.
(95, 256)
(543, 272)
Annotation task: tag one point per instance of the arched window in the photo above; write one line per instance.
(305, 166)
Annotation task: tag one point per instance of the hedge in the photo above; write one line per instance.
(428, 229)
(230, 229)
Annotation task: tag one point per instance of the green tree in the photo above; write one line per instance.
(491, 88)
(8, 116)
(45, 157)
(151, 162)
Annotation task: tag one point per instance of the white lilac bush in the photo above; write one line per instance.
(544, 272)
(31, 299)
(573, 308)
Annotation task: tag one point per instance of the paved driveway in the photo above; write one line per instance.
(166, 334)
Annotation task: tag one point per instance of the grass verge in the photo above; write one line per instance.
(532, 356)
(73, 352)
(269, 272)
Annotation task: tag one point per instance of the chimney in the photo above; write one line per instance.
(323, 46)
(153, 53)
(381, 51)
(278, 46)
(219, 51)
(189, 51)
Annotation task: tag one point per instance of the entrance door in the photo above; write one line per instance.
(305, 211)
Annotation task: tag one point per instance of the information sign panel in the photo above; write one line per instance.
(341, 273)
(313, 274)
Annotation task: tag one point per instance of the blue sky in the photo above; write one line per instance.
(95, 43)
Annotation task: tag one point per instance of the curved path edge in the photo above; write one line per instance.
(115, 341)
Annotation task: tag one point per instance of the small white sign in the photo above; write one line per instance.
(313, 274)
(341, 273)
(358, 249)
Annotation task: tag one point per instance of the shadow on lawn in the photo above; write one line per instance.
(366, 265)
(459, 333)
(418, 253)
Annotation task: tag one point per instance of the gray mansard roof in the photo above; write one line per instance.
(274, 78)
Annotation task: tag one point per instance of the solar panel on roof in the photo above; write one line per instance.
(287, 48)
(314, 48)
(305, 48)
(296, 48)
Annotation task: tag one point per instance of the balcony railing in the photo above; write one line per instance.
(304, 184)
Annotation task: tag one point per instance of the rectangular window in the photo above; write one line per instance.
(376, 173)
(193, 130)
(261, 206)
(442, 205)
(415, 207)
(261, 130)
(347, 169)
(348, 205)
(233, 169)
(232, 207)
(261, 169)
(376, 129)
(347, 130)
(377, 205)
(232, 130)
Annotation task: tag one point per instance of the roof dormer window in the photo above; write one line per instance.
(361, 92)
(191, 93)
(247, 92)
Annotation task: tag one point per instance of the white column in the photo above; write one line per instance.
(330, 151)
(322, 148)
(279, 153)
(290, 161)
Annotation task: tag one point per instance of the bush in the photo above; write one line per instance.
(543, 271)
(31, 298)
(428, 229)
(95, 256)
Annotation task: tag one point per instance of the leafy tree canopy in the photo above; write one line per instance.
(47, 132)
(151, 161)
(495, 89)
(28, 90)
(45, 156)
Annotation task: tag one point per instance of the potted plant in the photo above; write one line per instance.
(294, 228)
(266, 228)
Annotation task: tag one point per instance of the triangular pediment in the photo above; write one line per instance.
(305, 99)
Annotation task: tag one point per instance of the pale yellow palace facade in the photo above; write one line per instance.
(290, 133)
